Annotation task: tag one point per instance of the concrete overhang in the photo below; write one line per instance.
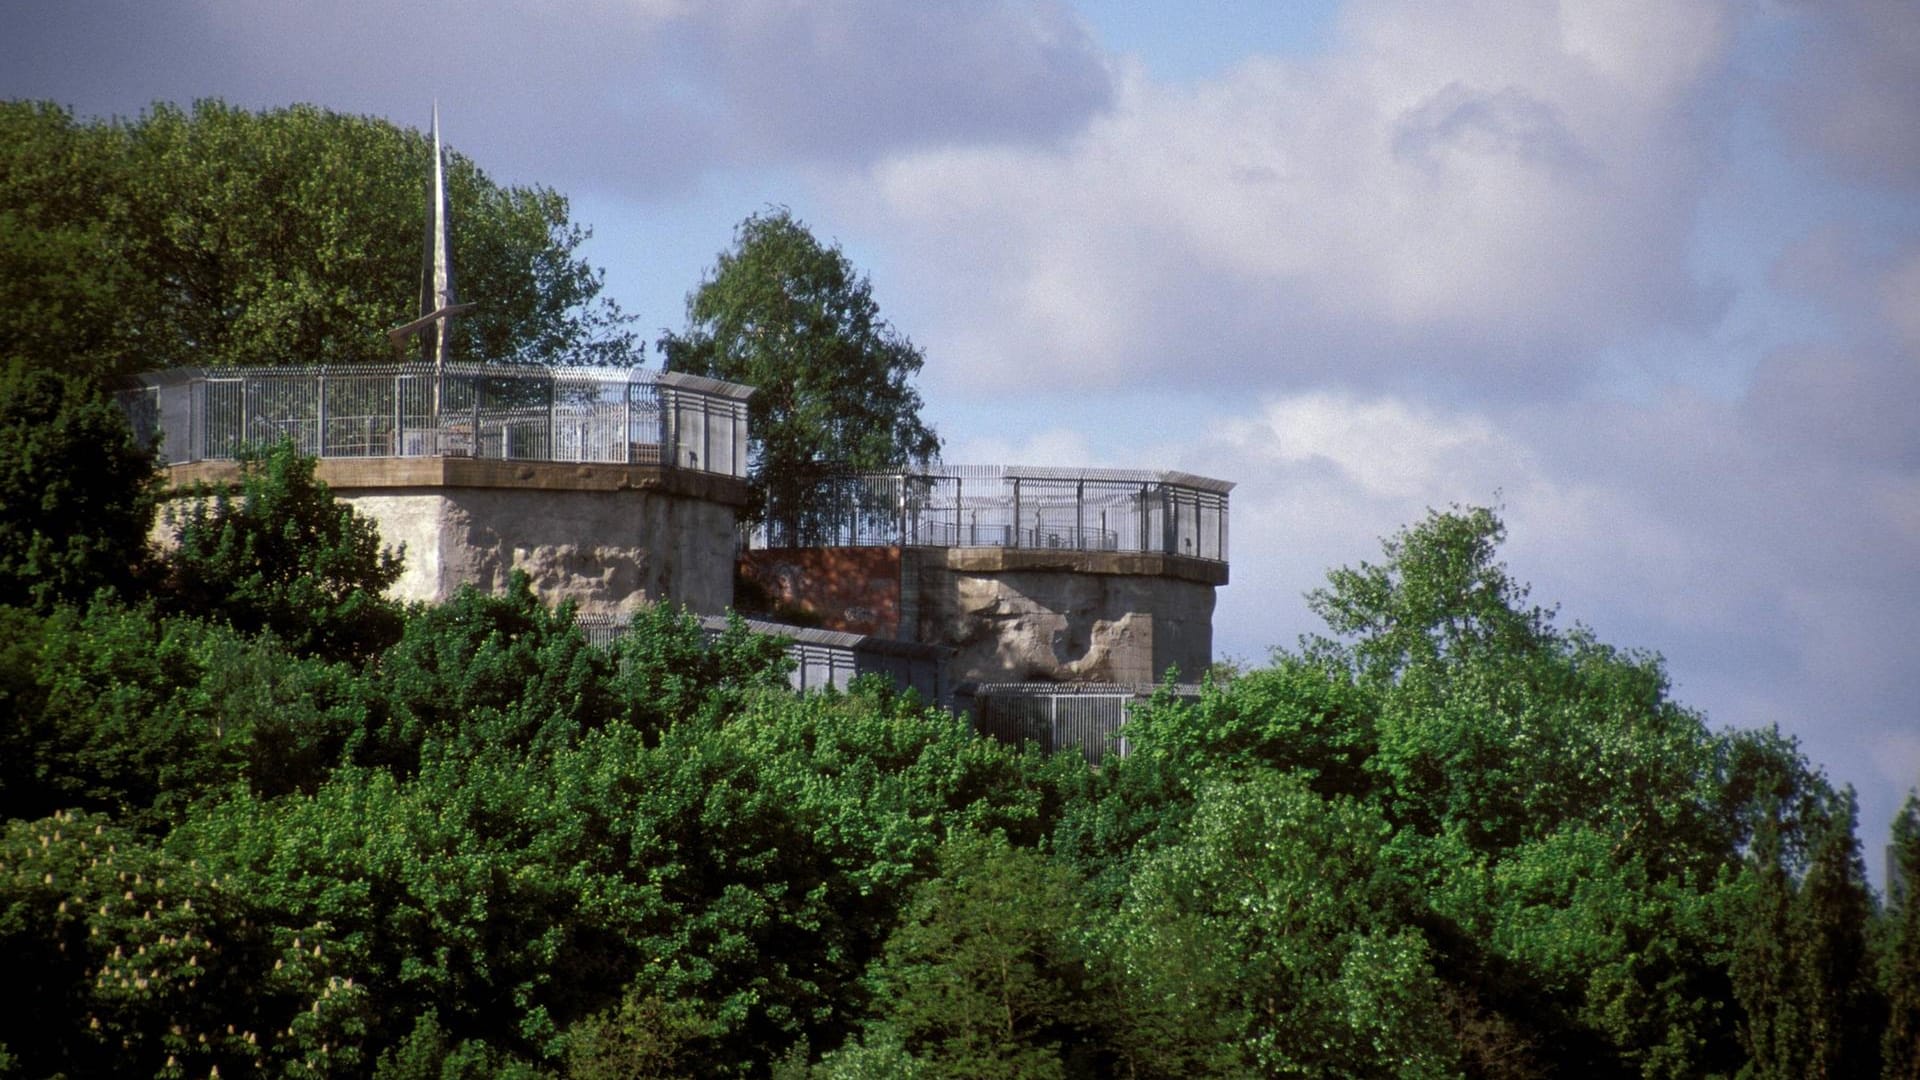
(990, 560)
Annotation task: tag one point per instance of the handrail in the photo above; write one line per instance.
(513, 412)
(1111, 510)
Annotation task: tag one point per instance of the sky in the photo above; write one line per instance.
(1645, 274)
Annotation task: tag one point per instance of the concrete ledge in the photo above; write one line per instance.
(351, 475)
(988, 560)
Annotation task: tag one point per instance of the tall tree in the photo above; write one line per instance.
(792, 317)
(1900, 968)
(1505, 749)
(1800, 967)
(218, 236)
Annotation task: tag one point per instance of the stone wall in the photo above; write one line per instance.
(1010, 615)
(1021, 616)
(611, 538)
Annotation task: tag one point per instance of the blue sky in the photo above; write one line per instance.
(1646, 272)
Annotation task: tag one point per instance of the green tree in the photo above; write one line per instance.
(795, 320)
(1498, 727)
(1272, 941)
(1900, 966)
(486, 671)
(218, 236)
(1800, 965)
(76, 492)
(987, 974)
(282, 554)
(125, 960)
(66, 268)
(668, 670)
(115, 709)
(1555, 805)
(1441, 597)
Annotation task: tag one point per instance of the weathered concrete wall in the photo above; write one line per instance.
(610, 552)
(1010, 615)
(1020, 616)
(612, 538)
(854, 590)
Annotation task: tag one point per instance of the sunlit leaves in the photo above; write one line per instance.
(282, 554)
(792, 317)
(218, 236)
(1271, 931)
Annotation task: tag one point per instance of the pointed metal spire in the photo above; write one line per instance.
(437, 300)
(436, 272)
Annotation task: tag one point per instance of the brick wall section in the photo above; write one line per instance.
(855, 590)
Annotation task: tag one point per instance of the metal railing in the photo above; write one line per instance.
(1088, 717)
(1121, 510)
(412, 410)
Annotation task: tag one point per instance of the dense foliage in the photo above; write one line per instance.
(280, 554)
(76, 492)
(834, 381)
(218, 236)
(261, 822)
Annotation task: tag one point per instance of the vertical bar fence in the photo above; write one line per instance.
(630, 416)
(1119, 510)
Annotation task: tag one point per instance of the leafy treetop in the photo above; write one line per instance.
(217, 236)
(794, 319)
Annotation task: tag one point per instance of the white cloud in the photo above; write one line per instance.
(1489, 192)
(624, 95)
(1386, 447)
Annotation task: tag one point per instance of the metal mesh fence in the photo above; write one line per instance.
(990, 506)
(518, 414)
(1087, 717)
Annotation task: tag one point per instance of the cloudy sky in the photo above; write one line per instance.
(1646, 273)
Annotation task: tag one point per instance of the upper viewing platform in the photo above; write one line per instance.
(512, 413)
(1014, 506)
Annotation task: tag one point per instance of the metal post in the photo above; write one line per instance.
(1080, 514)
(669, 428)
(320, 413)
(1016, 513)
